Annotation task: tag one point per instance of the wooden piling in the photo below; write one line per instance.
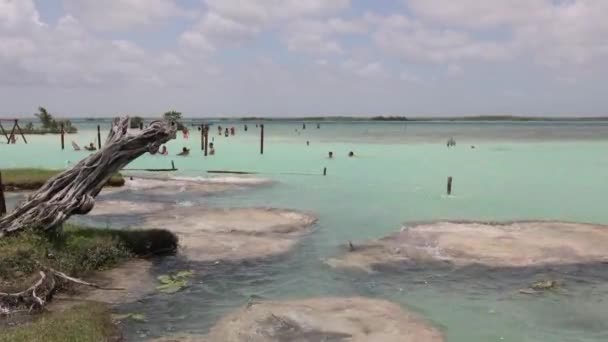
(2, 201)
(324, 171)
(173, 165)
(98, 137)
(206, 135)
(262, 139)
(449, 185)
(20, 131)
(202, 137)
(62, 138)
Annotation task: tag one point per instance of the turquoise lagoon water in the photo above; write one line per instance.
(517, 171)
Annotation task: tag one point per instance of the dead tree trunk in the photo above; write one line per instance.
(73, 191)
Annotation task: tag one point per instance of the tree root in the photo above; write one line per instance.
(34, 298)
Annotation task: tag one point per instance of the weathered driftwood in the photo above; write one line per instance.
(73, 191)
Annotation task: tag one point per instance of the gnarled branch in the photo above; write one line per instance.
(73, 191)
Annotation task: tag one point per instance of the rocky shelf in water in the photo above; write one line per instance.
(497, 245)
(232, 234)
(319, 319)
(209, 234)
(172, 186)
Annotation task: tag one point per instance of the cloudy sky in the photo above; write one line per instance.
(304, 57)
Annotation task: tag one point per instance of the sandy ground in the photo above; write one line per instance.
(133, 276)
(514, 244)
(319, 319)
(210, 234)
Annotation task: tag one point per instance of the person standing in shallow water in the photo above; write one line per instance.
(184, 152)
(331, 155)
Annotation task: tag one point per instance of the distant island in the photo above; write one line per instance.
(405, 118)
(194, 120)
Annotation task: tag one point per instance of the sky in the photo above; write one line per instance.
(87, 58)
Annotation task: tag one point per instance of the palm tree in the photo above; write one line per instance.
(45, 118)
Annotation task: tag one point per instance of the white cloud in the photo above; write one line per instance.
(213, 30)
(121, 14)
(321, 36)
(408, 76)
(553, 33)
(66, 54)
(313, 44)
(475, 13)
(262, 12)
(415, 41)
(365, 69)
(18, 15)
(455, 70)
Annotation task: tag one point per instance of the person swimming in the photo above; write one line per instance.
(163, 151)
(351, 154)
(331, 155)
(91, 147)
(184, 152)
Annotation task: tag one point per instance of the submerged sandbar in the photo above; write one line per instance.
(511, 244)
(320, 319)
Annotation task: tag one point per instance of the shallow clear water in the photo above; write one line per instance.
(555, 171)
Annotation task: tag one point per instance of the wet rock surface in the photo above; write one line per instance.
(171, 186)
(320, 319)
(499, 245)
(210, 234)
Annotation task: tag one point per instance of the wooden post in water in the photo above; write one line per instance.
(206, 129)
(202, 137)
(98, 137)
(62, 137)
(20, 131)
(262, 139)
(2, 201)
(325, 171)
(449, 185)
(172, 165)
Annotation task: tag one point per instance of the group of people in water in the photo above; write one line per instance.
(350, 154)
(228, 131)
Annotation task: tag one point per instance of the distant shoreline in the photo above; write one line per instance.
(314, 119)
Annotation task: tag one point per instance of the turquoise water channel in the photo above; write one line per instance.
(501, 171)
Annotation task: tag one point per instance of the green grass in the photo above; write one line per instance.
(84, 323)
(76, 251)
(32, 179)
